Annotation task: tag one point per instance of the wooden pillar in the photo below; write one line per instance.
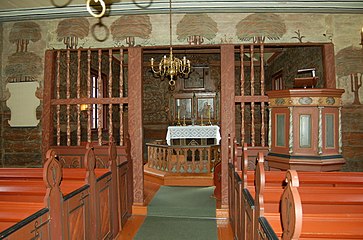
(329, 66)
(227, 112)
(135, 95)
(47, 115)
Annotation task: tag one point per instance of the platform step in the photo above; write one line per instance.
(178, 179)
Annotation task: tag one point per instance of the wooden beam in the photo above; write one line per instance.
(135, 90)
(227, 112)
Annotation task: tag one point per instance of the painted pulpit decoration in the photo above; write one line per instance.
(260, 26)
(130, 26)
(23, 104)
(195, 27)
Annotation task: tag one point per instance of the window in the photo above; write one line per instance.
(98, 91)
(277, 81)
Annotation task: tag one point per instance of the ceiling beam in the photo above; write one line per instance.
(14, 13)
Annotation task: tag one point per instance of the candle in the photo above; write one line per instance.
(209, 113)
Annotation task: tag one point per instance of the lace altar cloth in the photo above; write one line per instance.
(180, 132)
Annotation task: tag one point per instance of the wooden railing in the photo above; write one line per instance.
(183, 158)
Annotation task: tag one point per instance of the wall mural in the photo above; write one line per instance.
(24, 66)
(195, 27)
(349, 62)
(129, 27)
(70, 30)
(261, 25)
(22, 71)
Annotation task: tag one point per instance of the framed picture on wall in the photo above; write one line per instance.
(205, 107)
(183, 108)
(197, 78)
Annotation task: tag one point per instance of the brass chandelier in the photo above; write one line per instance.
(171, 66)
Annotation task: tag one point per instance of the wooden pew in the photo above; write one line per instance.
(324, 212)
(76, 204)
(245, 187)
(299, 224)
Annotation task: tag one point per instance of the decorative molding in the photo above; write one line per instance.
(340, 142)
(320, 131)
(305, 101)
(291, 131)
(182, 6)
(269, 128)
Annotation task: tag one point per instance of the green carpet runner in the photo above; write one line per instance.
(180, 213)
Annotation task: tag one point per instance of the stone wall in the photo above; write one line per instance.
(352, 126)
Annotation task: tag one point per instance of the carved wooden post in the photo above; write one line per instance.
(135, 122)
(227, 112)
(117, 214)
(53, 200)
(91, 179)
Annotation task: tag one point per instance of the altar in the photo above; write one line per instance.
(193, 132)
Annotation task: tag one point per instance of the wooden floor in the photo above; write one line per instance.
(134, 222)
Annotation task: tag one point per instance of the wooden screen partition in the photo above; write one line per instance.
(85, 97)
(252, 96)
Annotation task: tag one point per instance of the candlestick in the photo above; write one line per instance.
(184, 121)
(361, 37)
(179, 117)
(201, 120)
(209, 109)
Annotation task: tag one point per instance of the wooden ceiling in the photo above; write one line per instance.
(17, 10)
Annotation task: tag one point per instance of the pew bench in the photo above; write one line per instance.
(323, 211)
(326, 201)
(334, 179)
(297, 223)
(77, 200)
(37, 173)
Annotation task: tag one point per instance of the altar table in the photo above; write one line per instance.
(192, 132)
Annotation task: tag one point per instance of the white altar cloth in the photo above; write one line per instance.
(196, 131)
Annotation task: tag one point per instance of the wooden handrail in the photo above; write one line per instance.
(183, 158)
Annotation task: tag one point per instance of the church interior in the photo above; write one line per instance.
(180, 119)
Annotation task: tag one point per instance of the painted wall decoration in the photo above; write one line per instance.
(70, 30)
(349, 62)
(130, 26)
(261, 25)
(24, 66)
(23, 102)
(195, 27)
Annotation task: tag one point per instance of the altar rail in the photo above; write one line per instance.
(183, 159)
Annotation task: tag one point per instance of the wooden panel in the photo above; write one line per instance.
(135, 122)
(77, 228)
(227, 112)
(329, 65)
(105, 213)
(123, 181)
(76, 220)
(47, 116)
(38, 228)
